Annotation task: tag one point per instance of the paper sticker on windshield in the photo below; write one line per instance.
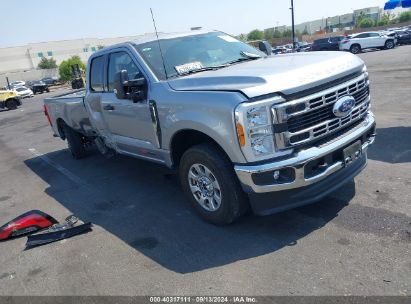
(228, 38)
(188, 67)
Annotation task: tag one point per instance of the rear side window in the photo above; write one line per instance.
(362, 36)
(374, 35)
(324, 40)
(337, 39)
(97, 74)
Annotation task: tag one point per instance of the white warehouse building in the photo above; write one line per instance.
(27, 57)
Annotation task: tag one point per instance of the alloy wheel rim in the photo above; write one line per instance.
(204, 187)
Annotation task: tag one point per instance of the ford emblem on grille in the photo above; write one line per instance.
(344, 106)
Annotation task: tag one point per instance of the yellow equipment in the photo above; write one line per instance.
(9, 100)
(77, 77)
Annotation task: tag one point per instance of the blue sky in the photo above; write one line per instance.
(49, 20)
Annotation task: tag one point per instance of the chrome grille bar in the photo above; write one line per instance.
(310, 118)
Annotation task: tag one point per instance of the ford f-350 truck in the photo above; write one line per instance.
(244, 129)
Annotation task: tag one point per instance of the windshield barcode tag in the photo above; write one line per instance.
(188, 67)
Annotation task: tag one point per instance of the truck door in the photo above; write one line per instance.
(128, 122)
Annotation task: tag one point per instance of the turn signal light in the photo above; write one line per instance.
(240, 134)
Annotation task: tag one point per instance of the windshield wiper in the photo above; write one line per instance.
(212, 68)
(246, 57)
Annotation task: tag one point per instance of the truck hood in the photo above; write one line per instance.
(287, 74)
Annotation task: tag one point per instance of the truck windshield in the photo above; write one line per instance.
(199, 52)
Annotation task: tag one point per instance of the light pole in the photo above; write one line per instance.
(292, 22)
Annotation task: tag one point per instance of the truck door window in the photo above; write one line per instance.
(121, 61)
(97, 74)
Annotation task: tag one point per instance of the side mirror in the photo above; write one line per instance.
(265, 47)
(120, 79)
(134, 89)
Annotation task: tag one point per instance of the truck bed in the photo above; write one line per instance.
(70, 109)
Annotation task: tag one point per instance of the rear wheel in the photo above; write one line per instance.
(209, 182)
(389, 44)
(11, 104)
(75, 142)
(355, 49)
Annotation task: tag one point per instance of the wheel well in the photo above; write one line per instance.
(10, 99)
(60, 127)
(185, 139)
(355, 44)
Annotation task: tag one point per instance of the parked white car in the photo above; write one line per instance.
(23, 92)
(18, 83)
(368, 40)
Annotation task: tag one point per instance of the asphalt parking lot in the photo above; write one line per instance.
(147, 241)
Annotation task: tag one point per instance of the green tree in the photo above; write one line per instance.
(47, 63)
(255, 35)
(277, 34)
(404, 16)
(65, 67)
(287, 33)
(269, 34)
(99, 47)
(361, 16)
(242, 37)
(365, 22)
(386, 19)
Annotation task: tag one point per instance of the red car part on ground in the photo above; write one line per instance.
(26, 223)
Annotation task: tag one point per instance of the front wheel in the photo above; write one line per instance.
(209, 182)
(389, 44)
(11, 104)
(355, 49)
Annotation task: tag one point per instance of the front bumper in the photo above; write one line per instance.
(299, 162)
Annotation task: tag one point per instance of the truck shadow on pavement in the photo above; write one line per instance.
(142, 204)
(392, 145)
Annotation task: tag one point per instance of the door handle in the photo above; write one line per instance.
(108, 107)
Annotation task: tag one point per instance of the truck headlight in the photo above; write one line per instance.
(257, 117)
(254, 129)
(365, 72)
(260, 131)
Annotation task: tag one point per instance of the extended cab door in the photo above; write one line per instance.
(129, 123)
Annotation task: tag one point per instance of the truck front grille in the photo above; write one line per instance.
(309, 118)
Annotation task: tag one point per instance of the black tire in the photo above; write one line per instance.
(11, 104)
(75, 142)
(355, 49)
(47, 90)
(389, 44)
(234, 202)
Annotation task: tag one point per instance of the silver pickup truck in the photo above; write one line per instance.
(244, 129)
